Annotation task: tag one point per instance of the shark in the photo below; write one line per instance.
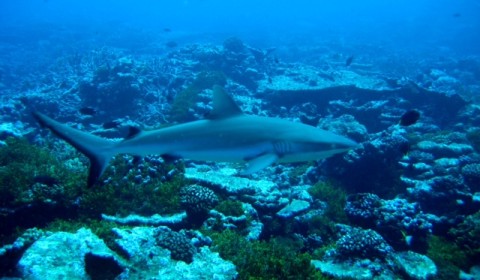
(225, 135)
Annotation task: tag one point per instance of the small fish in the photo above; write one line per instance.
(409, 118)
(89, 111)
(457, 15)
(349, 60)
(167, 30)
(45, 180)
(111, 124)
(171, 44)
(404, 148)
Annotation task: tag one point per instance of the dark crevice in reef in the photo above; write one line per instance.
(33, 215)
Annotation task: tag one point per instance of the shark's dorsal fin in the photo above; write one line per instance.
(132, 132)
(223, 105)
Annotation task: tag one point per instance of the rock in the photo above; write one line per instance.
(11, 253)
(359, 269)
(415, 265)
(342, 270)
(254, 230)
(262, 194)
(205, 265)
(300, 77)
(476, 197)
(16, 130)
(154, 220)
(345, 125)
(305, 218)
(444, 150)
(447, 162)
(294, 208)
(62, 255)
(473, 275)
(224, 180)
(140, 245)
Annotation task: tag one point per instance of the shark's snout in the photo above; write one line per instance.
(344, 144)
(350, 144)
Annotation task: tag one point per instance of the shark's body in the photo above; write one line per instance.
(227, 135)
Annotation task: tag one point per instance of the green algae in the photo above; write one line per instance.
(68, 199)
(122, 195)
(447, 256)
(335, 197)
(187, 98)
(466, 235)
(277, 258)
(230, 208)
(102, 229)
(22, 163)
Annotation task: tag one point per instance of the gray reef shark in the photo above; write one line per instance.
(226, 135)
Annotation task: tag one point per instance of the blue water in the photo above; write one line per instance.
(397, 25)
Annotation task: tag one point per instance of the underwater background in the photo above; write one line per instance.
(401, 78)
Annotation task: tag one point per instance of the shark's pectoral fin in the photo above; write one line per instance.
(259, 163)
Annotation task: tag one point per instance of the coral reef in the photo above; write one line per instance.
(466, 235)
(449, 258)
(359, 243)
(197, 200)
(402, 223)
(177, 243)
(364, 254)
(149, 260)
(350, 169)
(403, 204)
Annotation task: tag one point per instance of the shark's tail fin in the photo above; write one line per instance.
(97, 149)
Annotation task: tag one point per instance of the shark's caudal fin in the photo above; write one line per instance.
(97, 149)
